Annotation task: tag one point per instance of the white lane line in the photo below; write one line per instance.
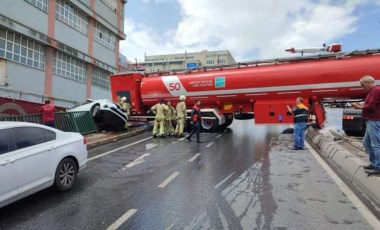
(137, 161)
(168, 180)
(181, 139)
(151, 145)
(366, 213)
(172, 225)
(114, 150)
(222, 182)
(194, 157)
(209, 144)
(122, 219)
(218, 136)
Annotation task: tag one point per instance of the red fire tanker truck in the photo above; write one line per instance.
(258, 89)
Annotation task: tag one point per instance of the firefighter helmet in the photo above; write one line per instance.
(182, 97)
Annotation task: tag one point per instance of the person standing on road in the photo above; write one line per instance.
(300, 112)
(48, 111)
(196, 119)
(160, 110)
(118, 100)
(125, 106)
(181, 116)
(371, 115)
(169, 117)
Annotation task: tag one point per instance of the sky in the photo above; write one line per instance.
(249, 29)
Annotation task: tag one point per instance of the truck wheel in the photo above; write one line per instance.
(208, 124)
(65, 175)
(228, 122)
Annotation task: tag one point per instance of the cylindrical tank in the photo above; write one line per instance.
(321, 78)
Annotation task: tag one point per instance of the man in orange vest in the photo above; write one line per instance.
(300, 112)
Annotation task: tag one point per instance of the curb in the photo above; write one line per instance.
(113, 138)
(347, 165)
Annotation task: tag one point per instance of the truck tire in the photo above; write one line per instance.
(208, 125)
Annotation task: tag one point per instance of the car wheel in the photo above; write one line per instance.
(95, 111)
(65, 175)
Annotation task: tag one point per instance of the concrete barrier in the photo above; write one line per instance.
(347, 165)
(98, 140)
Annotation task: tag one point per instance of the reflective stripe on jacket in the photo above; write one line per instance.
(300, 113)
(159, 110)
(181, 109)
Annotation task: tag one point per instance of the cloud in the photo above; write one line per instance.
(157, 1)
(142, 39)
(250, 29)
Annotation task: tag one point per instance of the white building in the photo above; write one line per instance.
(186, 60)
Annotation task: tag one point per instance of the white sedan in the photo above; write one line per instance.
(34, 157)
(106, 114)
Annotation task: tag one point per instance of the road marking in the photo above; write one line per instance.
(218, 136)
(181, 139)
(209, 144)
(122, 219)
(172, 225)
(366, 213)
(137, 161)
(225, 179)
(194, 157)
(112, 151)
(151, 145)
(168, 180)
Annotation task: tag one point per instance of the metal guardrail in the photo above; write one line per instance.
(80, 122)
(34, 118)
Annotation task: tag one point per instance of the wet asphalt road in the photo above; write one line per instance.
(246, 178)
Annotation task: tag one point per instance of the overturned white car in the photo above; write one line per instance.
(106, 114)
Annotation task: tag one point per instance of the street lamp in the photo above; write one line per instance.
(136, 64)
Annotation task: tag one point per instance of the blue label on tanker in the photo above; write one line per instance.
(220, 82)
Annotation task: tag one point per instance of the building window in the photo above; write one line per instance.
(17, 48)
(112, 4)
(72, 16)
(210, 62)
(104, 36)
(100, 78)
(41, 4)
(221, 61)
(69, 67)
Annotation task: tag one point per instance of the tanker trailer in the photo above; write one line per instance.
(259, 89)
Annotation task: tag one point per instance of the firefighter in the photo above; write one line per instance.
(125, 105)
(169, 117)
(118, 101)
(196, 119)
(181, 116)
(160, 110)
